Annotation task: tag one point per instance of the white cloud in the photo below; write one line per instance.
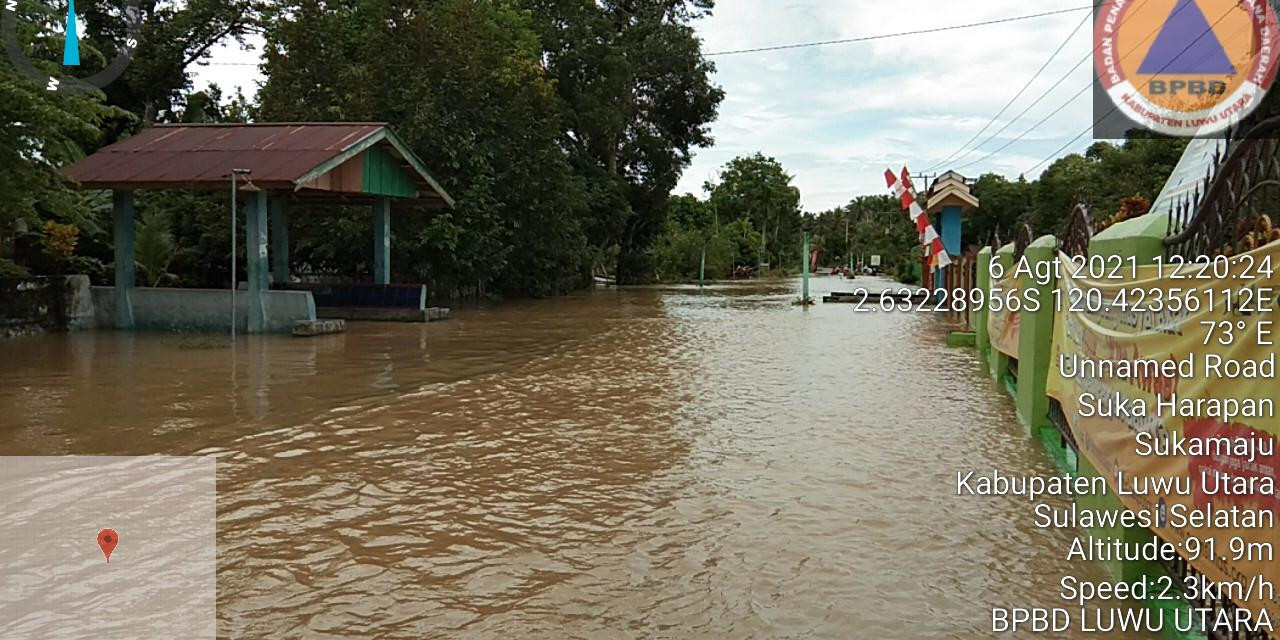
(840, 113)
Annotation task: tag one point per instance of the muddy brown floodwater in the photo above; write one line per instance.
(655, 462)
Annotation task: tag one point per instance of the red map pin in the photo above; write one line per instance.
(107, 539)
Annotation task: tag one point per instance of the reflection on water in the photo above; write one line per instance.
(635, 463)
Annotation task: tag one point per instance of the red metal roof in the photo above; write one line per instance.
(202, 156)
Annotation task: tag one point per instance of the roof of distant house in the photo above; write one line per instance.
(950, 189)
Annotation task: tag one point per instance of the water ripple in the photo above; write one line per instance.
(656, 462)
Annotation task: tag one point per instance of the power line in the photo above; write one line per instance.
(1014, 99)
(899, 34)
(1024, 112)
(823, 43)
(1061, 106)
(1088, 56)
(1115, 106)
(1033, 127)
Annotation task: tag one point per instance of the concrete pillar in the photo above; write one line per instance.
(255, 253)
(1035, 337)
(382, 241)
(1142, 238)
(1124, 570)
(999, 362)
(279, 239)
(122, 217)
(979, 317)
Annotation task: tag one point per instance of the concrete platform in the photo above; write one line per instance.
(386, 314)
(308, 328)
(204, 310)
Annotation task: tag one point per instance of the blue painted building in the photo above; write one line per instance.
(950, 200)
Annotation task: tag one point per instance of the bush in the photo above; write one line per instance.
(59, 239)
(11, 269)
(679, 254)
(92, 267)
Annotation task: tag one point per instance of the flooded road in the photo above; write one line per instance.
(639, 463)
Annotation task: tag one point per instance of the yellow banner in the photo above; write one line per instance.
(1166, 376)
(1002, 324)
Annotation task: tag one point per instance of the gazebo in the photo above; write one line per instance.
(362, 164)
(949, 198)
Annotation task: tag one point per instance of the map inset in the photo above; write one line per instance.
(55, 580)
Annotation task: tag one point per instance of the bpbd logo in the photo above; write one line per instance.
(1186, 67)
(73, 77)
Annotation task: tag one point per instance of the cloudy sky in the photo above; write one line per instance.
(836, 116)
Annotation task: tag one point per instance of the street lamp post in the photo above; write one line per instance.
(234, 198)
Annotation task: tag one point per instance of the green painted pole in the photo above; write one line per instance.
(702, 267)
(804, 296)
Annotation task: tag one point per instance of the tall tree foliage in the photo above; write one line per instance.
(41, 131)
(461, 81)
(758, 189)
(637, 100)
(752, 215)
(875, 225)
(175, 37)
(1106, 174)
(560, 126)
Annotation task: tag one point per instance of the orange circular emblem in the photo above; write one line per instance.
(1186, 67)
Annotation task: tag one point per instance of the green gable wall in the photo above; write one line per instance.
(384, 176)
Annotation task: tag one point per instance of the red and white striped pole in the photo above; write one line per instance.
(929, 237)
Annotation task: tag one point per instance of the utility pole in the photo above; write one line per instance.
(702, 267)
(804, 292)
(924, 178)
(764, 236)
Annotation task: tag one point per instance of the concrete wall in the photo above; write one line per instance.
(45, 303)
(204, 309)
(1141, 238)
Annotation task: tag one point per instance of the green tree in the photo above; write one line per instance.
(41, 131)
(1106, 174)
(1004, 203)
(154, 249)
(482, 112)
(757, 189)
(637, 99)
(175, 36)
